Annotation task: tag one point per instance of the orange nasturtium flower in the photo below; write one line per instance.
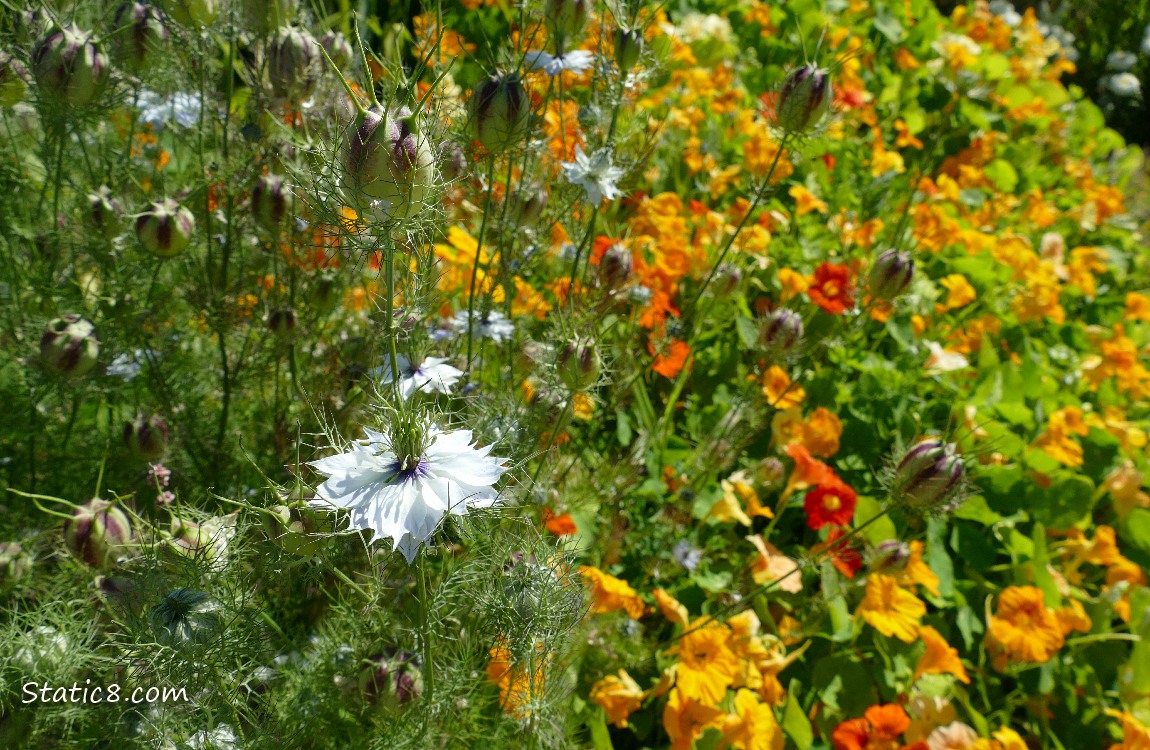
(610, 594)
(1024, 629)
(891, 609)
(519, 684)
(940, 657)
(831, 288)
(879, 728)
(707, 665)
(752, 724)
(619, 696)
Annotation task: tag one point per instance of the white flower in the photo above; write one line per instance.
(596, 174)
(158, 111)
(576, 61)
(406, 503)
(1120, 60)
(1124, 84)
(127, 366)
(222, 737)
(1146, 42)
(943, 360)
(494, 325)
(432, 376)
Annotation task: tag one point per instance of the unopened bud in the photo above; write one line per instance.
(338, 48)
(282, 322)
(501, 110)
(270, 198)
(804, 100)
(96, 532)
(929, 477)
(165, 229)
(389, 159)
(771, 472)
(13, 80)
(184, 618)
(69, 346)
(147, 437)
(140, 32)
(891, 274)
(628, 48)
(293, 56)
(452, 162)
(579, 365)
(782, 331)
(71, 67)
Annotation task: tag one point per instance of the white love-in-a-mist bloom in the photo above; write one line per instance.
(576, 61)
(433, 375)
(492, 325)
(596, 174)
(1125, 85)
(404, 499)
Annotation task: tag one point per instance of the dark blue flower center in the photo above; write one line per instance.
(411, 469)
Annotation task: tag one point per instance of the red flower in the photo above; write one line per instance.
(831, 502)
(831, 288)
(844, 556)
(563, 525)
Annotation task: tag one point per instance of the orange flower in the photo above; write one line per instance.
(939, 657)
(670, 361)
(832, 502)
(772, 565)
(879, 729)
(805, 201)
(1024, 628)
(672, 609)
(779, 390)
(792, 282)
(684, 718)
(891, 609)
(707, 666)
(821, 432)
(752, 724)
(808, 470)
(619, 696)
(563, 525)
(610, 594)
(831, 288)
(845, 556)
(519, 684)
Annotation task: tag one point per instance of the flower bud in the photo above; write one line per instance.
(147, 438)
(293, 69)
(616, 266)
(282, 322)
(103, 213)
(579, 365)
(391, 680)
(628, 48)
(452, 162)
(165, 229)
(891, 274)
(140, 32)
(389, 159)
(70, 67)
(929, 477)
(528, 204)
(13, 80)
(727, 278)
(804, 100)
(185, 617)
(338, 48)
(501, 110)
(96, 531)
(889, 556)
(270, 201)
(781, 331)
(566, 18)
(69, 346)
(14, 563)
(196, 13)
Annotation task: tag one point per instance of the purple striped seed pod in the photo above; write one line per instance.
(616, 266)
(13, 80)
(70, 67)
(889, 556)
(579, 365)
(282, 322)
(103, 213)
(805, 99)
(891, 274)
(140, 32)
(338, 48)
(165, 229)
(69, 346)
(95, 532)
(781, 331)
(628, 47)
(391, 679)
(293, 63)
(500, 110)
(269, 202)
(388, 159)
(929, 477)
(147, 437)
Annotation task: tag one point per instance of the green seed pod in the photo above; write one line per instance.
(165, 229)
(103, 214)
(566, 19)
(70, 67)
(96, 532)
(781, 331)
(194, 13)
(528, 204)
(389, 159)
(282, 322)
(69, 346)
(338, 48)
(628, 48)
(270, 200)
(147, 438)
(186, 618)
(579, 365)
(500, 111)
(293, 63)
(891, 274)
(805, 99)
(929, 477)
(13, 80)
(140, 33)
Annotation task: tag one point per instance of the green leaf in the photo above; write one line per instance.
(886, 24)
(597, 724)
(795, 721)
(748, 332)
(623, 427)
(937, 558)
(1067, 500)
(1003, 175)
(880, 530)
(1042, 576)
(1137, 529)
